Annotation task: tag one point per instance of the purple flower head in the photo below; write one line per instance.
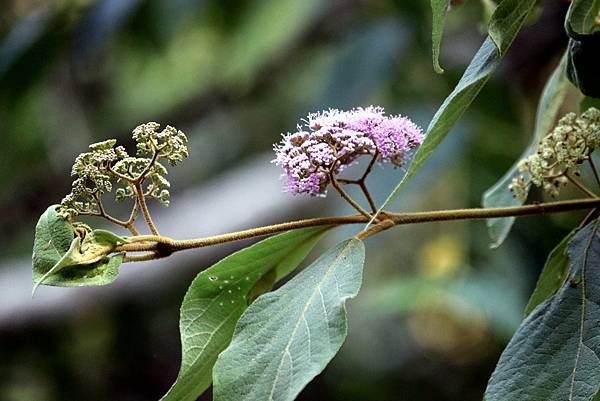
(331, 140)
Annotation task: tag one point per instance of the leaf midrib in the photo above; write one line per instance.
(309, 302)
(580, 343)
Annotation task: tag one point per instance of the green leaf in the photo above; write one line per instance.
(61, 258)
(580, 17)
(499, 195)
(439, 9)
(554, 355)
(589, 102)
(506, 25)
(218, 296)
(553, 274)
(475, 76)
(288, 336)
(507, 20)
(53, 237)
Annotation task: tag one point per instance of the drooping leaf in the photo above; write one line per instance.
(498, 195)
(504, 25)
(61, 258)
(219, 295)
(552, 276)
(554, 355)
(439, 8)
(288, 336)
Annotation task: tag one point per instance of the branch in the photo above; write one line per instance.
(151, 243)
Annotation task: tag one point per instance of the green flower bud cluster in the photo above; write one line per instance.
(170, 142)
(105, 165)
(559, 154)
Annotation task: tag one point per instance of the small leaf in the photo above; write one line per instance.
(61, 258)
(439, 9)
(499, 195)
(507, 20)
(553, 275)
(218, 296)
(554, 355)
(288, 336)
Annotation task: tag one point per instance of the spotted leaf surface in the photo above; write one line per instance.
(288, 336)
(219, 295)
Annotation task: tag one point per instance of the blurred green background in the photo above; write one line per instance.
(437, 305)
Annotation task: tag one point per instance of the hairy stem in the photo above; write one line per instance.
(150, 243)
(347, 197)
(144, 208)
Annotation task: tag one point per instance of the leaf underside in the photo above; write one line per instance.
(288, 336)
(554, 355)
(219, 295)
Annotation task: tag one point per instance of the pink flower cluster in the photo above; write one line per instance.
(330, 141)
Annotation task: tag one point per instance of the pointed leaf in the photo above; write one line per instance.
(288, 336)
(552, 276)
(439, 9)
(504, 26)
(499, 195)
(60, 258)
(554, 355)
(218, 296)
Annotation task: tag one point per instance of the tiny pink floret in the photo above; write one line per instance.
(331, 140)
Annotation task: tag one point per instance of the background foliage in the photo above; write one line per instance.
(437, 306)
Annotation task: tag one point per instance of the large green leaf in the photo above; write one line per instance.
(439, 8)
(499, 195)
(554, 355)
(506, 25)
(552, 276)
(288, 336)
(60, 258)
(219, 295)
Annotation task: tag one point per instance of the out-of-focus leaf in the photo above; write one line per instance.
(102, 20)
(588, 102)
(218, 296)
(499, 195)
(288, 336)
(552, 276)
(80, 263)
(554, 355)
(439, 9)
(273, 25)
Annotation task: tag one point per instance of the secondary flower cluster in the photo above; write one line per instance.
(331, 140)
(559, 154)
(97, 170)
